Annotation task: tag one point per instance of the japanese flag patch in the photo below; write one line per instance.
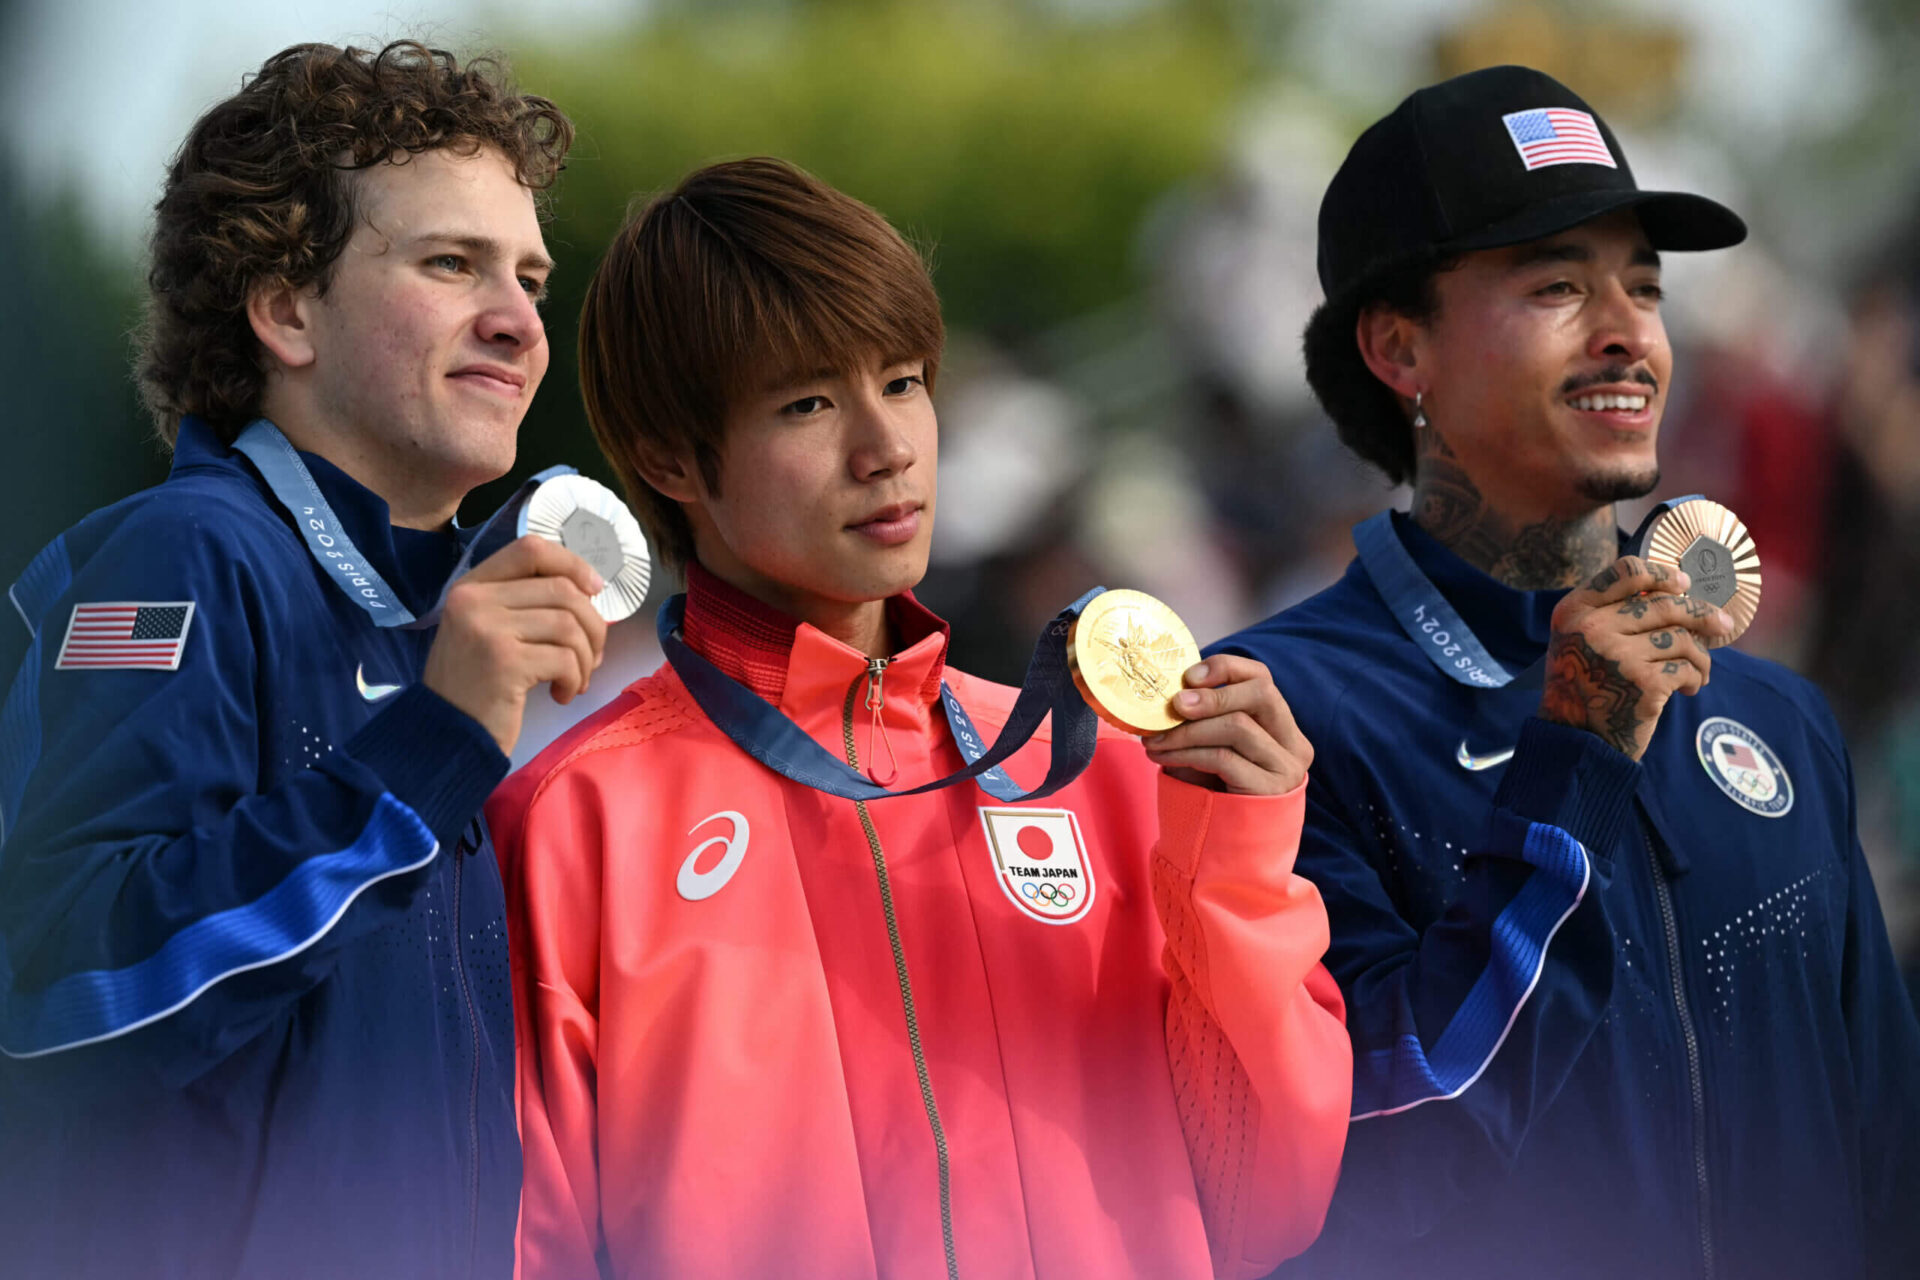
(126, 636)
(1041, 862)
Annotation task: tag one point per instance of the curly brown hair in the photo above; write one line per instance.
(262, 192)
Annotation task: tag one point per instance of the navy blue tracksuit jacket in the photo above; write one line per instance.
(254, 1000)
(1675, 1046)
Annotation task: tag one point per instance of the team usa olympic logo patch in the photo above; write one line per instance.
(1744, 766)
(1041, 862)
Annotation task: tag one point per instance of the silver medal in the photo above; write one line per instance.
(588, 519)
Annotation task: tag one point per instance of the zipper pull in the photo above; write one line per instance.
(876, 668)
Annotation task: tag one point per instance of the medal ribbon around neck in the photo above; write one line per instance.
(1422, 612)
(767, 735)
(295, 488)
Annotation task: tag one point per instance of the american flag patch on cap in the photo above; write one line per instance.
(1557, 135)
(126, 634)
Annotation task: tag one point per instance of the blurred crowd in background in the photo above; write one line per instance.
(1119, 199)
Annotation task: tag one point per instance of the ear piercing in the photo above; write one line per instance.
(1419, 411)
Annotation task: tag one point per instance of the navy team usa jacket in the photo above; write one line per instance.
(254, 1002)
(1610, 1019)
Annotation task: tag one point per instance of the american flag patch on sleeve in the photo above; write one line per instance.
(1557, 135)
(126, 635)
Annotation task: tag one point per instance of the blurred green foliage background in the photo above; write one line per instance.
(1020, 150)
(1020, 153)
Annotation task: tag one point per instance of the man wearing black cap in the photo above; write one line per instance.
(1621, 999)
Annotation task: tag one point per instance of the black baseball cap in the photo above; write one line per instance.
(1491, 158)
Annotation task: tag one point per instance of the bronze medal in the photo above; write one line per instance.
(1712, 545)
(1128, 652)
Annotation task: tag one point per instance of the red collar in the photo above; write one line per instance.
(752, 642)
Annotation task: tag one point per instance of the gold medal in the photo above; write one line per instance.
(1128, 652)
(1713, 546)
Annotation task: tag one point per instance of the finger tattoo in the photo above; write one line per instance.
(1663, 639)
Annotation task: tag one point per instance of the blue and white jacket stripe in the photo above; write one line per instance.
(84, 1008)
(1405, 1074)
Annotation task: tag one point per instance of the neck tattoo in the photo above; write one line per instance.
(1531, 557)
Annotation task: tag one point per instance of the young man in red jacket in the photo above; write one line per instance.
(766, 1028)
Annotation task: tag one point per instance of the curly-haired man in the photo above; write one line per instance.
(253, 997)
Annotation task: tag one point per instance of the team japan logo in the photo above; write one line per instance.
(1041, 862)
(1744, 766)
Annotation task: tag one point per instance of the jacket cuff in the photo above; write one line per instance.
(1571, 779)
(433, 757)
(1260, 833)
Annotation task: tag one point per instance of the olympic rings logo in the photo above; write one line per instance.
(1054, 895)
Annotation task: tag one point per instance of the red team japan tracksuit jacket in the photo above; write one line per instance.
(1138, 1064)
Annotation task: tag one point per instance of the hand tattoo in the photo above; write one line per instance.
(1662, 639)
(1669, 668)
(1636, 607)
(1588, 691)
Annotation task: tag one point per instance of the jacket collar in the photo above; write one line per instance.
(772, 653)
(416, 562)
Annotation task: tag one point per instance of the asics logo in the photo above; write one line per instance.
(372, 692)
(696, 885)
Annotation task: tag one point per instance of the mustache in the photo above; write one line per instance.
(1613, 373)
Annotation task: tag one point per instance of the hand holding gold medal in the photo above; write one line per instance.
(1130, 656)
(1128, 652)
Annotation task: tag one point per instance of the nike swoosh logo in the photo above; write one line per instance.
(375, 692)
(1467, 760)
